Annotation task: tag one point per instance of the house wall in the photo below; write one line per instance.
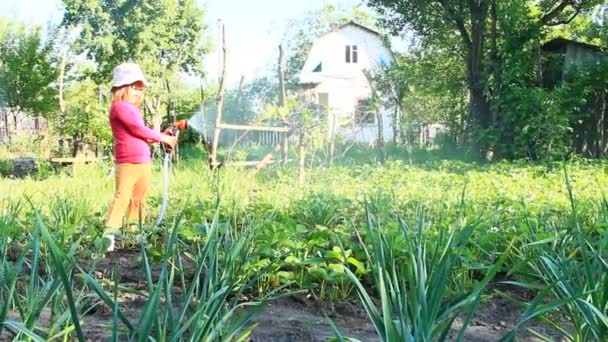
(578, 55)
(344, 82)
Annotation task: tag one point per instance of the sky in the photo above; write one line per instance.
(253, 28)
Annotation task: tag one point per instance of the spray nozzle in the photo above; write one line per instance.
(174, 128)
(181, 124)
(177, 125)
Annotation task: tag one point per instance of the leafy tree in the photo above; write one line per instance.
(531, 119)
(477, 24)
(86, 117)
(428, 85)
(243, 106)
(26, 72)
(164, 36)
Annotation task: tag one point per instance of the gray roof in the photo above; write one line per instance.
(355, 24)
(560, 43)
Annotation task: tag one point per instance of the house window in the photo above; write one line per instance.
(351, 54)
(318, 68)
(365, 112)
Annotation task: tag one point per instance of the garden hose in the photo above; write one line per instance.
(165, 200)
(172, 130)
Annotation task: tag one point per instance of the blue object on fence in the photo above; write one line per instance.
(384, 61)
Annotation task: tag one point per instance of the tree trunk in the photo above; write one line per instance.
(152, 106)
(6, 130)
(479, 106)
(396, 126)
(282, 95)
(239, 95)
(380, 143)
(62, 109)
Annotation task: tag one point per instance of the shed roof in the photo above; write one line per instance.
(560, 43)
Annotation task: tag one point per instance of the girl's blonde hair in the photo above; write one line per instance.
(124, 93)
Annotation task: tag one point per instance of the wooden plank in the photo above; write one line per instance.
(254, 128)
(72, 160)
(248, 162)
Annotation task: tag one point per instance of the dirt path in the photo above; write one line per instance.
(296, 318)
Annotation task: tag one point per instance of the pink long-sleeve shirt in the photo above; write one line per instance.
(131, 136)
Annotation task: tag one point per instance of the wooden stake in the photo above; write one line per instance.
(282, 94)
(219, 100)
(332, 139)
(284, 149)
(302, 153)
(375, 99)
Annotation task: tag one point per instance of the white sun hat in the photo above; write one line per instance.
(127, 73)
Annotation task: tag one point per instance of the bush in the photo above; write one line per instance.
(6, 167)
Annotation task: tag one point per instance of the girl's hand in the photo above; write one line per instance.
(168, 140)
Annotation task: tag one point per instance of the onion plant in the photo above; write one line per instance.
(209, 307)
(570, 273)
(412, 288)
(206, 304)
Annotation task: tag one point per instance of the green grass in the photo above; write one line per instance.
(351, 229)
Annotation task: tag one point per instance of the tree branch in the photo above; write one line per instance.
(458, 21)
(558, 9)
(567, 21)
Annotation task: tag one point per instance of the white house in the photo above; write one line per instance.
(333, 76)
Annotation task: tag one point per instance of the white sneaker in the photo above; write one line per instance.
(112, 245)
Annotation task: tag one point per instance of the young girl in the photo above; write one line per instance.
(131, 150)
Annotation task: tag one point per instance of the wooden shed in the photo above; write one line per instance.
(562, 57)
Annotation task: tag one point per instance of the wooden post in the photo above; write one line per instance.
(375, 100)
(284, 148)
(302, 153)
(332, 138)
(282, 103)
(202, 138)
(219, 105)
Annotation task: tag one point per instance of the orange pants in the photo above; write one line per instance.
(132, 183)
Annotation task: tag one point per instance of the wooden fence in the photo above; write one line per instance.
(15, 124)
